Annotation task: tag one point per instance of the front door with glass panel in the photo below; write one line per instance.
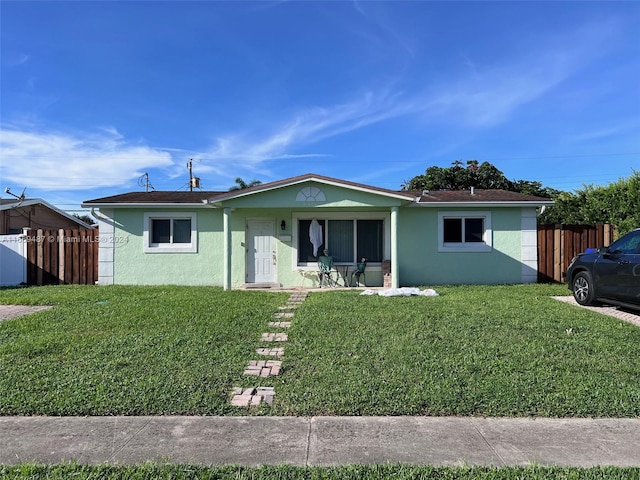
(261, 253)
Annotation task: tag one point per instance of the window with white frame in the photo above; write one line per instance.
(464, 232)
(347, 239)
(170, 232)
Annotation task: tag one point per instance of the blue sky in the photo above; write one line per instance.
(94, 94)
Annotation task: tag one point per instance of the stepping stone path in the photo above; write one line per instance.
(280, 324)
(255, 396)
(263, 368)
(252, 397)
(274, 337)
(292, 306)
(271, 352)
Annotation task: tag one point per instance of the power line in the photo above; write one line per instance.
(539, 157)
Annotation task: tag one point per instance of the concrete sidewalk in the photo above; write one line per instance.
(441, 441)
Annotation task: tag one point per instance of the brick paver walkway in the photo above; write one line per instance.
(263, 368)
(7, 312)
(622, 314)
(271, 352)
(252, 396)
(280, 324)
(274, 337)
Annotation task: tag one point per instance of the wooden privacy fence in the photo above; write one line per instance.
(558, 244)
(62, 256)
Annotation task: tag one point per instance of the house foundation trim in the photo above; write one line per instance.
(394, 248)
(226, 225)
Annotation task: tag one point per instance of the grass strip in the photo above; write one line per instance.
(370, 472)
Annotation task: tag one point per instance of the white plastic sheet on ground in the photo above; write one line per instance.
(401, 292)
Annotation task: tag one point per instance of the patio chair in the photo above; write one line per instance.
(359, 272)
(326, 271)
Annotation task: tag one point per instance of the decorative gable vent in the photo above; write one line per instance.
(311, 194)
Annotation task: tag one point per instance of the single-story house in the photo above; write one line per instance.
(35, 213)
(272, 234)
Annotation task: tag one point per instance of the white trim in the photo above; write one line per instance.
(529, 245)
(312, 266)
(478, 247)
(456, 204)
(202, 204)
(148, 247)
(311, 194)
(106, 232)
(268, 187)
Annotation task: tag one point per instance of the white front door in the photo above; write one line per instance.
(261, 251)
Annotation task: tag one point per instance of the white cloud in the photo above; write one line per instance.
(489, 97)
(61, 161)
(308, 127)
(605, 133)
(15, 59)
(494, 93)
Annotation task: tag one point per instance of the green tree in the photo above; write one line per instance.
(462, 177)
(617, 203)
(85, 218)
(241, 184)
(529, 187)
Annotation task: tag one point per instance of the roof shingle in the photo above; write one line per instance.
(438, 196)
(199, 196)
(479, 196)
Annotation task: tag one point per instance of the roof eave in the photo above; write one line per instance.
(39, 201)
(487, 204)
(246, 192)
(202, 204)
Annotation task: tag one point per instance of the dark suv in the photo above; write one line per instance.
(608, 274)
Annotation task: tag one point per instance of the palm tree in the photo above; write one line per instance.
(241, 184)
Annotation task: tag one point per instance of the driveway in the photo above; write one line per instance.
(618, 312)
(7, 312)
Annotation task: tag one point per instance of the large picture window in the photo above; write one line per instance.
(348, 240)
(464, 232)
(170, 232)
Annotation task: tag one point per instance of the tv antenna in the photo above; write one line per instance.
(20, 198)
(143, 181)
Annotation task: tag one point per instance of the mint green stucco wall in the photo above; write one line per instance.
(288, 273)
(133, 266)
(421, 264)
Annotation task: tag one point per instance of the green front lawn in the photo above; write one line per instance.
(370, 472)
(129, 350)
(503, 350)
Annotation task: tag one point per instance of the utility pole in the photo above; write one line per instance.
(193, 181)
(190, 167)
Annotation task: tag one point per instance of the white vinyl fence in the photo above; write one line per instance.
(13, 260)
